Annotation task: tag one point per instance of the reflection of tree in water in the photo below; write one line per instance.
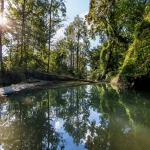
(124, 123)
(29, 126)
(76, 113)
(123, 119)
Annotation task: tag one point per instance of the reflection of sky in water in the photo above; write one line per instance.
(88, 88)
(58, 124)
(94, 116)
(69, 145)
(1, 147)
(126, 130)
(69, 141)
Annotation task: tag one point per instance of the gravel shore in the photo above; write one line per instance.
(18, 87)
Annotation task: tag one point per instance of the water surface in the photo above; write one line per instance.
(85, 117)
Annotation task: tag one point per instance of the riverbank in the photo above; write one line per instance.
(54, 84)
(18, 87)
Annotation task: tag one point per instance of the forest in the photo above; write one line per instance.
(28, 46)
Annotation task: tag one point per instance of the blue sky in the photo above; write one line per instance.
(76, 7)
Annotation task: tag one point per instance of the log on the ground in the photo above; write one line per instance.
(48, 76)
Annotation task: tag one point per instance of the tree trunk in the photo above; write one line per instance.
(73, 60)
(2, 10)
(22, 32)
(78, 56)
(71, 57)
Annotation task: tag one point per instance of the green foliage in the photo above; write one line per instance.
(69, 55)
(137, 59)
(28, 34)
(123, 28)
(57, 61)
(18, 74)
(94, 75)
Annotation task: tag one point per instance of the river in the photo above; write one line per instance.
(83, 117)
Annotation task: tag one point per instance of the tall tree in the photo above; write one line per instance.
(69, 34)
(80, 32)
(56, 15)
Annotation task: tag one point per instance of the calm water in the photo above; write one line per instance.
(87, 117)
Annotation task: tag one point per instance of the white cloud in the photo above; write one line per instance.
(82, 15)
(81, 40)
(58, 124)
(59, 34)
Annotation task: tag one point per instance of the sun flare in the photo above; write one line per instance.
(3, 20)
